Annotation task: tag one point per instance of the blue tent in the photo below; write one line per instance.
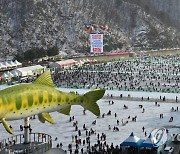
(149, 143)
(132, 141)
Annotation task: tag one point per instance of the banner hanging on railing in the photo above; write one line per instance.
(96, 41)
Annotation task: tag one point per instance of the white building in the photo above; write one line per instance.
(63, 64)
(29, 70)
(24, 71)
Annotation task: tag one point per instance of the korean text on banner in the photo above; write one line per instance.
(96, 43)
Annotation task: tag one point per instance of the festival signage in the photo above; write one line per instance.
(96, 41)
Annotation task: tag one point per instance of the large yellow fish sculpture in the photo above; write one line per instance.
(40, 98)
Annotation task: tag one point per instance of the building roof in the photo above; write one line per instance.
(30, 68)
(67, 62)
(63, 63)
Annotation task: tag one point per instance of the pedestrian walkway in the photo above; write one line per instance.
(125, 98)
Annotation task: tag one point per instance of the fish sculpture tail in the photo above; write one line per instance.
(91, 98)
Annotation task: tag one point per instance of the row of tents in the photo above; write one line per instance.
(38, 69)
(24, 71)
(9, 64)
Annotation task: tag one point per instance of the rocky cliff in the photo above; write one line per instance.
(145, 24)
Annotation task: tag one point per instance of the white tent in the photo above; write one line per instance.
(30, 70)
(5, 76)
(81, 62)
(10, 75)
(6, 64)
(87, 60)
(15, 73)
(2, 66)
(12, 64)
(17, 63)
(84, 60)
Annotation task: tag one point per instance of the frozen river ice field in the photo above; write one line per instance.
(63, 129)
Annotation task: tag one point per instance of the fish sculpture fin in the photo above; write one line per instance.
(6, 126)
(45, 79)
(45, 117)
(41, 118)
(91, 98)
(65, 110)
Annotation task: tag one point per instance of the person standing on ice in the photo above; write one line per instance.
(143, 128)
(72, 138)
(115, 115)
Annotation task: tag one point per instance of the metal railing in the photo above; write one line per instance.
(39, 143)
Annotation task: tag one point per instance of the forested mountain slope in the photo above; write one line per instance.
(146, 24)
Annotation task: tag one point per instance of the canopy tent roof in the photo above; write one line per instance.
(4, 76)
(92, 60)
(9, 64)
(25, 71)
(2, 66)
(6, 64)
(30, 68)
(149, 143)
(132, 141)
(84, 60)
(12, 63)
(10, 74)
(81, 61)
(67, 62)
(7, 75)
(17, 63)
(15, 73)
(87, 60)
(63, 63)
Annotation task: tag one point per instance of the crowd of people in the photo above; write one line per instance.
(157, 74)
(81, 144)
